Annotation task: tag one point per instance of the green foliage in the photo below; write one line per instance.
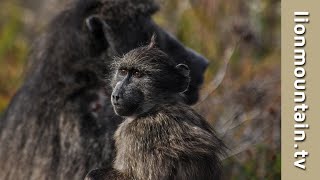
(13, 51)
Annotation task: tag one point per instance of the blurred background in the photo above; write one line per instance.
(241, 94)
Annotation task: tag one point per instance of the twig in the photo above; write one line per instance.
(215, 83)
(248, 143)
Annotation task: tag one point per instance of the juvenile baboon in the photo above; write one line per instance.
(161, 138)
(60, 123)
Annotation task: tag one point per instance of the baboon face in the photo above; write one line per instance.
(146, 77)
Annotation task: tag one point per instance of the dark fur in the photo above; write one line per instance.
(161, 137)
(60, 123)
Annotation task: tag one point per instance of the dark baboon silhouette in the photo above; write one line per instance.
(161, 138)
(60, 123)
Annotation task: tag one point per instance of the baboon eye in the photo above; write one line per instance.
(137, 74)
(123, 72)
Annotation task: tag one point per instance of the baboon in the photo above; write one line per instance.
(60, 123)
(161, 137)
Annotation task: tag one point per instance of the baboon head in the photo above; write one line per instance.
(146, 77)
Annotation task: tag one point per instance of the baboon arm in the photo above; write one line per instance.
(105, 174)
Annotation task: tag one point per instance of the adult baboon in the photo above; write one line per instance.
(161, 138)
(60, 123)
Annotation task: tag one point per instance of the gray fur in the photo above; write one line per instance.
(167, 140)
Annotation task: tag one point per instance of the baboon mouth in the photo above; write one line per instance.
(118, 106)
(115, 104)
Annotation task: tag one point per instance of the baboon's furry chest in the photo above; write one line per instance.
(139, 144)
(159, 144)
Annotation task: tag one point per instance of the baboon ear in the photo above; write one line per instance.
(99, 31)
(185, 72)
(97, 26)
(152, 41)
(183, 69)
(94, 23)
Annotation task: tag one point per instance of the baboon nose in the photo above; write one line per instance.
(115, 97)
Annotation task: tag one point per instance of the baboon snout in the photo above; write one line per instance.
(115, 96)
(117, 93)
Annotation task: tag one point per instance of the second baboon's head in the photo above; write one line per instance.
(146, 77)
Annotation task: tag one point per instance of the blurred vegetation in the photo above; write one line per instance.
(245, 108)
(13, 51)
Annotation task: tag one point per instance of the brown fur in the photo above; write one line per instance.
(168, 140)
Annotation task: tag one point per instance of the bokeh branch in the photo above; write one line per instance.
(216, 82)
